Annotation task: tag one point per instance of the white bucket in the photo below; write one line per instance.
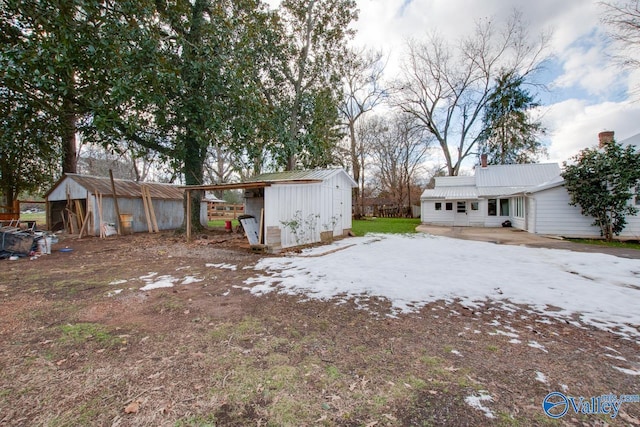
(44, 245)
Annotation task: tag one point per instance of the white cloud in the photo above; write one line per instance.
(588, 94)
(574, 124)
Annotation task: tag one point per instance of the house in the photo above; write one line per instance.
(532, 197)
(296, 207)
(82, 194)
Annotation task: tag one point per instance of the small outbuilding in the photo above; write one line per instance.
(296, 207)
(75, 197)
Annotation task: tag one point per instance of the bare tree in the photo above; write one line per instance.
(369, 133)
(445, 87)
(623, 18)
(399, 153)
(362, 77)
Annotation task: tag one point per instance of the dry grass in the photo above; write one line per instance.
(211, 354)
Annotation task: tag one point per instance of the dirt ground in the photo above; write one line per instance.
(82, 344)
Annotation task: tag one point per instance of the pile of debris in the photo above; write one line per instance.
(17, 241)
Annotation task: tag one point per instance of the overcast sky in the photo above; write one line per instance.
(586, 95)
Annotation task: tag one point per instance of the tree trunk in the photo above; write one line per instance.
(355, 166)
(69, 146)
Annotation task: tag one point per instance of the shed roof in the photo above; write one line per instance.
(316, 175)
(124, 188)
(288, 177)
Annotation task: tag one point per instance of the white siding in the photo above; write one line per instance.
(531, 214)
(319, 207)
(429, 214)
(555, 216)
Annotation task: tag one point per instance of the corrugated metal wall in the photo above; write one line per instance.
(303, 211)
(169, 212)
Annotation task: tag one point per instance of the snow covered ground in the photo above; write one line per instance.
(413, 270)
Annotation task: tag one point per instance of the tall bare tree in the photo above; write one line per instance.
(399, 153)
(445, 86)
(362, 77)
(623, 19)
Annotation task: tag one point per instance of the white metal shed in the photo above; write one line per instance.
(297, 207)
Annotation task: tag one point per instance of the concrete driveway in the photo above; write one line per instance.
(512, 236)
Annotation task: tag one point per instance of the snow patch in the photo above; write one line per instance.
(118, 282)
(541, 377)
(114, 292)
(536, 344)
(476, 402)
(552, 282)
(223, 266)
(191, 279)
(160, 282)
(632, 372)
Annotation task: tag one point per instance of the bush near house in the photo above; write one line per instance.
(602, 181)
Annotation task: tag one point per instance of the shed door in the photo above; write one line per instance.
(461, 217)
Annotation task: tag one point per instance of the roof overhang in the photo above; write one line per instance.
(247, 185)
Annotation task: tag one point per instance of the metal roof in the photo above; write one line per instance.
(500, 191)
(124, 188)
(451, 193)
(495, 181)
(291, 176)
(267, 179)
(632, 140)
(455, 181)
(524, 175)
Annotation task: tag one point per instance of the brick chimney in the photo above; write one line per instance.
(483, 160)
(605, 137)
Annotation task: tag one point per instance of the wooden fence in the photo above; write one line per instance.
(8, 213)
(223, 211)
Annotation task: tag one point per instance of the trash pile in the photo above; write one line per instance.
(16, 241)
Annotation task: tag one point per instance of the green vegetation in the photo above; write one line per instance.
(83, 332)
(385, 225)
(602, 182)
(40, 218)
(221, 223)
(611, 244)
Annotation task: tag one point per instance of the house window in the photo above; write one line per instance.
(438, 206)
(449, 206)
(518, 207)
(504, 207)
(474, 206)
(492, 207)
(461, 207)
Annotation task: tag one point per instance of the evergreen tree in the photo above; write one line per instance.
(601, 182)
(510, 135)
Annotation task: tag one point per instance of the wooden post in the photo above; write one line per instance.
(99, 203)
(188, 215)
(260, 233)
(145, 203)
(115, 202)
(152, 211)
